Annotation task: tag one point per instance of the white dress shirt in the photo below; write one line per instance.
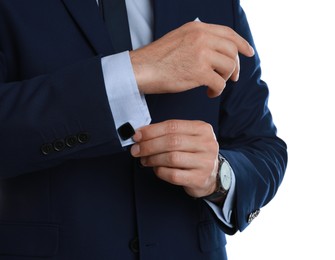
(126, 102)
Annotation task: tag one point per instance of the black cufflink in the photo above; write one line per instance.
(126, 131)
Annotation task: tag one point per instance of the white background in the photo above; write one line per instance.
(296, 43)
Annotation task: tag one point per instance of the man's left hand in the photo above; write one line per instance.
(181, 152)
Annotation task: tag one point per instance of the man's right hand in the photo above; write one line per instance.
(193, 55)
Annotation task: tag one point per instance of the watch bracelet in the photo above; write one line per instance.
(219, 195)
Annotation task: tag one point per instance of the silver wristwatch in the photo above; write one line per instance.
(224, 180)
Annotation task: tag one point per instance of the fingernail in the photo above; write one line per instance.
(137, 136)
(143, 161)
(237, 76)
(135, 149)
(252, 50)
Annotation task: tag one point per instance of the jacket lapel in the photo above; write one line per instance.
(86, 15)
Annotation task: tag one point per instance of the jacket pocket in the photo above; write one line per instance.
(210, 237)
(39, 240)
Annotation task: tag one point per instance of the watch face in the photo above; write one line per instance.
(225, 173)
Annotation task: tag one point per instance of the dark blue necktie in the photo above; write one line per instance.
(116, 20)
(115, 16)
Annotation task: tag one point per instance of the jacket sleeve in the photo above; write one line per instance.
(52, 118)
(248, 137)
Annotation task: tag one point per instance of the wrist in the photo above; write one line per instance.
(142, 72)
(223, 183)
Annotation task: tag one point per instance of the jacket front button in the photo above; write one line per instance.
(134, 245)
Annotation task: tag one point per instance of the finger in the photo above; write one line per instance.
(223, 31)
(185, 127)
(174, 176)
(216, 84)
(223, 46)
(176, 159)
(236, 74)
(223, 65)
(137, 136)
(168, 143)
(228, 63)
(194, 183)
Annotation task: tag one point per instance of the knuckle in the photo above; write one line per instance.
(233, 64)
(205, 127)
(193, 25)
(216, 146)
(171, 126)
(230, 68)
(202, 55)
(173, 141)
(219, 84)
(234, 50)
(196, 34)
(174, 158)
(209, 137)
(229, 32)
(175, 177)
(199, 35)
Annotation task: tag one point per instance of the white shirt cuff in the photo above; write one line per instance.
(127, 104)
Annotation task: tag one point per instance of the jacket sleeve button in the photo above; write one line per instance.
(253, 215)
(59, 145)
(83, 137)
(71, 141)
(47, 148)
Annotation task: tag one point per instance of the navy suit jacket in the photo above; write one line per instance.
(89, 198)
